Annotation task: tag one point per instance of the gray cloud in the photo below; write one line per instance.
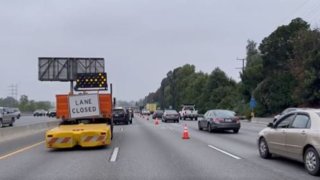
(141, 40)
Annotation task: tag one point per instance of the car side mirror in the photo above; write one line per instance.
(270, 125)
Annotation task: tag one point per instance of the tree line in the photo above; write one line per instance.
(282, 71)
(24, 104)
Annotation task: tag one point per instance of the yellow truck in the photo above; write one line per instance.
(151, 107)
(86, 117)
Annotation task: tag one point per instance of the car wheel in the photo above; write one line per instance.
(199, 127)
(311, 161)
(184, 118)
(196, 118)
(209, 128)
(178, 121)
(264, 149)
(235, 130)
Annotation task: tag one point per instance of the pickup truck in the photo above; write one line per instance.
(6, 118)
(188, 111)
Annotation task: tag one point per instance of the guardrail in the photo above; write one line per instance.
(20, 131)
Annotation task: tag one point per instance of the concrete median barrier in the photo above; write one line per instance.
(262, 120)
(8, 133)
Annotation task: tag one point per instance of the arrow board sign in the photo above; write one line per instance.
(81, 106)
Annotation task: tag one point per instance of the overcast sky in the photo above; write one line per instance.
(141, 40)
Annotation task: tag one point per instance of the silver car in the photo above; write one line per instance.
(6, 118)
(296, 135)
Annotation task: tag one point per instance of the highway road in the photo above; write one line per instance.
(144, 150)
(27, 120)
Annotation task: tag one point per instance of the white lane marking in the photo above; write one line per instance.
(114, 154)
(224, 152)
(121, 129)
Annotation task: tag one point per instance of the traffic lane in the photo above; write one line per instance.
(77, 163)
(27, 120)
(161, 151)
(15, 144)
(146, 152)
(244, 145)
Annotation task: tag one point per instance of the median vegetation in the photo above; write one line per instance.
(282, 71)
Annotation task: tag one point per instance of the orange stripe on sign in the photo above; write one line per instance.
(101, 138)
(65, 140)
(88, 139)
(53, 140)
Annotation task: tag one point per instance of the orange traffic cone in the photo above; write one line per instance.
(185, 134)
(156, 122)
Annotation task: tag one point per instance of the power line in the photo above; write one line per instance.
(13, 90)
(243, 63)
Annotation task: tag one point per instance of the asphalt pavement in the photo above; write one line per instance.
(144, 150)
(27, 120)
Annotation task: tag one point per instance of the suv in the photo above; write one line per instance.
(52, 113)
(15, 111)
(6, 118)
(121, 115)
(188, 111)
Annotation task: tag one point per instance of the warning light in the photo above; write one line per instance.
(89, 81)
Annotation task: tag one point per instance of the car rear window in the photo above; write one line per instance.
(224, 114)
(118, 110)
(171, 112)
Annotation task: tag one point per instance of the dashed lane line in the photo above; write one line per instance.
(114, 155)
(224, 152)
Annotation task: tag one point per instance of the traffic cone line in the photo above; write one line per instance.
(185, 134)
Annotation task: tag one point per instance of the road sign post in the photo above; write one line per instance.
(253, 104)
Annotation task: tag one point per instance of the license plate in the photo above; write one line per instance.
(228, 120)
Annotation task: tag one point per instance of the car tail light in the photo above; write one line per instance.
(217, 120)
(237, 120)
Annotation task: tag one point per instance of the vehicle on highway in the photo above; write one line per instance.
(219, 119)
(296, 136)
(121, 116)
(6, 118)
(39, 112)
(284, 112)
(52, 113)
(170, 115)
(131, 113)
(157, 114)
(188, 111)
(15, 111)
(145, 112)
(86, 117)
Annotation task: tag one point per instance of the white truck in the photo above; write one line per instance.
(6, 118)
(188, 111)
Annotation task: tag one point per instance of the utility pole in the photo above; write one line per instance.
(13, 89)
(243, 63)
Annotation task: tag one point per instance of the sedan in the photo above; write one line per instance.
(170, 115)
(157, 114)
(219, 119)
(295, 136)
